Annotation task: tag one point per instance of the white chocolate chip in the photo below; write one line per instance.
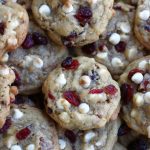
(94, 1)
(114, 38)
(117, 62)
(147, 97)
(17, 114)
(84, 108)
(67, 8)
(143, 65)
(5, 58)
(64, 117)
(61, 80)
(138, 99)
(134, 113)
(30, 147)
(137, 78)
(102, 56)
(16, 147)
(124, 27)
(38, 62)
(148, 131)
(12, 41)
(88, 147)
(85, 81)
(63, 104)
(4, 71)
(62, 144)
(131, 53)
(102, 97)
(144, 15)
(14, 24)
(89, 136)
(45, 10)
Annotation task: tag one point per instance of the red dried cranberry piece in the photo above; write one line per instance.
(127, 92)
(84, 15)
(23, 133)
(110, 89)
(101, 46)
(123, 130)
(121, 47)
(70, 64)
(51, 96)
(147, 28)
(72, 97)
(70, 135)
(39, 39)
(89, 49)
(17, 81)
(96, 91)
(28, 42)
(143, 86)
(2, 28)
(6, 126)
(132, 72)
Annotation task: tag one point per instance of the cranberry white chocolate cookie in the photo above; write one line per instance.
(73, 23)
(7, 92)
(13, 26)
(142, 23)
(81, 94)
(117, 47)
(135, 87)
(34, 60)
(27, 128)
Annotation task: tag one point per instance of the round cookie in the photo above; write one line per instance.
(34, 60)
(117, 47)
(7, 92)
(96, 139)
(81, 94)
(135, 83)
(13, 26)
(28, 128)
(142, 23)
(73, 23)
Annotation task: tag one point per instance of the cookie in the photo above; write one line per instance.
(81, 94)
(73, 23)
(35, 59)
(142, 23)
(136, 95)
(13, 26)
(28, 128)
(25, 3)
(117, 47)
(96, 139)
(118, 146)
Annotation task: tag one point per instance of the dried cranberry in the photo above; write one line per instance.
(121, 47)
(6, 126)
(110, 89)
(127, 92)
(69, 40)
(89, 49)
(28, 42)
(2, 28)
(23, 133)
(101, 46)
(147, 28)
(84, 15)
(132, 72)
(69, 63)
(51, 96)
(96, 91)
(70, 135)
(123, 130)
(72, 97)
(17, 81)
(143, 86)
(39, 39)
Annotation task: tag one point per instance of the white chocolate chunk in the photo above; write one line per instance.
(67, 8)
(147, 97)
(12, 41)
(114, 38)
(102, 97)
(88, 147)
(38, 62)
(143, 65)
(84, 108)
(117, 62)
(89, 136)
(85, 81)
(138, 99)
(134, 113)
(144, 15)
(61, 80)
(137, 78)
(30, 147)
(4, 71)
(64, 117)
(45, 10)
(62, 144)
(16, 147)
(124, 27)
(131, 53)
(102, 56)
(5, 58)
(63, 104)
(17, 114)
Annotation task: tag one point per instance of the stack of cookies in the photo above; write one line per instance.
(74, 75)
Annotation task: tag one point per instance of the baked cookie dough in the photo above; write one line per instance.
(34, 60)
(28, 128)
(142, 23)
(135, 83)
(13, 26)
(7, 92)
(73, 23)
(118, 146)
(117, 47)
(81, 94)
(96, 139)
